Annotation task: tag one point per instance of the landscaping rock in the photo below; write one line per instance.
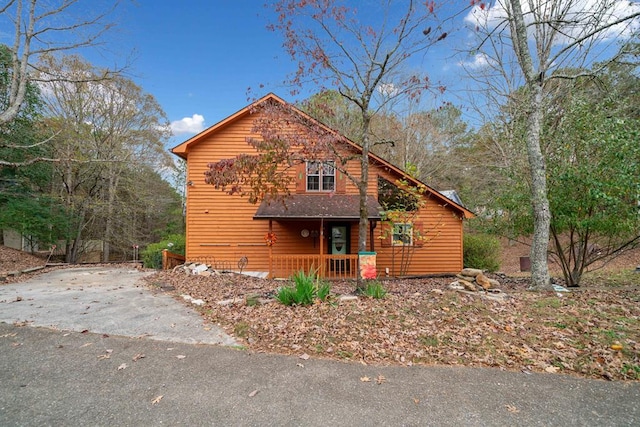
(483, 281)
(494, 283)
(465, 277)
(471, 272)
(467, 285)
(200, 268)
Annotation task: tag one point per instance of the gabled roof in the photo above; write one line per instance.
(182, 150)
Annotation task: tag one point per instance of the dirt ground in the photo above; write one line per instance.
(512, 251)
(592, 331)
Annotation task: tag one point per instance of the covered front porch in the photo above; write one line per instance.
(316, 232)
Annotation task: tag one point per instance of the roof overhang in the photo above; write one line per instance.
(317, 206)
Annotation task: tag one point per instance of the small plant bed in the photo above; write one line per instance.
(591, 332)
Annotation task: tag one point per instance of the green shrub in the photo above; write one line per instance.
(482, 251)
(307, 287)
(152, 254)
(374, 289)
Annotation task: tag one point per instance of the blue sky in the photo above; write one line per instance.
(199, 57)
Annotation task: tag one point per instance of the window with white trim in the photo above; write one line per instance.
(402, 234)
(321, 176)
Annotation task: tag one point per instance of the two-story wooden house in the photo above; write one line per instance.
(317, 225)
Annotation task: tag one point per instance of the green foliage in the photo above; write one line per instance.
(592, 155)
(481, 251)
(307, 287)
(39, 218)
(152, 254)
(374, 289)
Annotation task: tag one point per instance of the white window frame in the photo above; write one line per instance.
(321, 175)
(400, 230)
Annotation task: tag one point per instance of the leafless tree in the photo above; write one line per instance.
(46, 27)
(104, 128)
(531, 43)
(361, 54)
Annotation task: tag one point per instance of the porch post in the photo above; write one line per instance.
(372, 247)
(270, 252)
(321, 271)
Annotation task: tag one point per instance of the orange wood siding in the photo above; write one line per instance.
(441, 252)
(221, 229)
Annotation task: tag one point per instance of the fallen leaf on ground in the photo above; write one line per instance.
(528, 330)
(304, 356)
(123, 366)
(253, 393)
(552, 369)
(138, 357)
(104, 356)
(86, 345)
(9, 335)
(365, 379)
(416, 401)
(380, 379)
(181, 356)
(157, 399)
(299, 365)
(512, 409)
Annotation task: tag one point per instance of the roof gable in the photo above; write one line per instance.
(182, 150)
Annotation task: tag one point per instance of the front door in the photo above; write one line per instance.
(339, 238)
(339, 246)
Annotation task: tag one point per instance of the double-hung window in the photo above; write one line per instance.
(321, 176)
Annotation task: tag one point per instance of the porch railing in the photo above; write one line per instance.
(171, 260)
(328, 266)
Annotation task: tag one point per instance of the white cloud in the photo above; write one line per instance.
(582, 15)
(478, 61)
(193, 124)
(387, 89)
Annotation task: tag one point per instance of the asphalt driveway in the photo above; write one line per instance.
(105, 301)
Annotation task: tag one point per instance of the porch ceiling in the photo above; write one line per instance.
(316, 206)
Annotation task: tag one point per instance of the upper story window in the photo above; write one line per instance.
(321, 176)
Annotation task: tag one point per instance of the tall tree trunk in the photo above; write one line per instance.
(534, 82)
(108, 228)
(363, 225)
(540, 202)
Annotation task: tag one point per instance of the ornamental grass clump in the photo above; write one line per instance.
(374, 289)
(307, 288)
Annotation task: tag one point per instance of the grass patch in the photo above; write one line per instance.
(307, 288)
(612, 278)
(374, 289)
(429, 341)
(241, 329)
